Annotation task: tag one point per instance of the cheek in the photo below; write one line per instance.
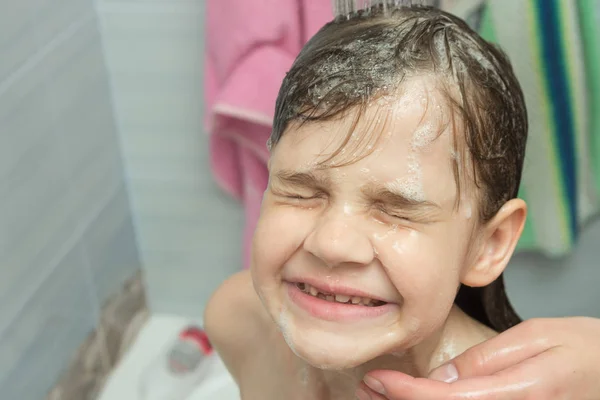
(424, 267)
(280, 231)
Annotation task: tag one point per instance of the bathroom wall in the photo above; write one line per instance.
(66, 237)
(189, 232)
(542, 287)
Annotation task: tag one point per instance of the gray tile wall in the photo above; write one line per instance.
(541, 287)
(66, 234)
(189, 232)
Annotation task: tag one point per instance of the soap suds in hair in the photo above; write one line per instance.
(339, 71)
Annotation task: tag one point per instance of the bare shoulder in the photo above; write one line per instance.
(233, 321)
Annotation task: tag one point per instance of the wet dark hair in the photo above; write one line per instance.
(353, 61)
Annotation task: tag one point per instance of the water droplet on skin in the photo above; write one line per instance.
(379, 237)
(347, 209)
(398, 247)
(468, 211)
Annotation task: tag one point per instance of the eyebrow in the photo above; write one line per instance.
(302, 178)
(396, 199)
(372, 191)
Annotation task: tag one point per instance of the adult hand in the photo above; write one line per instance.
(549, 359)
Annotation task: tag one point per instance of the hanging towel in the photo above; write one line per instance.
(553, 46)
(250, 45)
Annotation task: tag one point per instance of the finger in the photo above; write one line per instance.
(399, 386)
(515, 383)
(511, 347)
(480, 388)
(376, 396)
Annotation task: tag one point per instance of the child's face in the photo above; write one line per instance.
(384, 227)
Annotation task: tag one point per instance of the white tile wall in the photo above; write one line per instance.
(66, 236)
(189, 233)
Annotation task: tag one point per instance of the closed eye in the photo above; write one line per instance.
(298, 197)
(393, 214)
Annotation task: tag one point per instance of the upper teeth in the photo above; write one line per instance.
(340, 298)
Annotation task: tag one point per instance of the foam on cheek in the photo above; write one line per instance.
(285, 328)
(468, 211)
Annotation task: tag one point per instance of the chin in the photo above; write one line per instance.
(330, 347)
(328, 351)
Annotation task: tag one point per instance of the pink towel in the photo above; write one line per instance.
(250, 47)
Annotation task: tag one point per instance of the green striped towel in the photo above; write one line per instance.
(554, 46)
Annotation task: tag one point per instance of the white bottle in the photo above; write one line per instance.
(180, 369)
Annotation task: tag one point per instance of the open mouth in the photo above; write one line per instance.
(339, 298)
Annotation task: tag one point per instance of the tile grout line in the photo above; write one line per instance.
(36, 58)
(121, 7)
(125, 162)
(70, 243)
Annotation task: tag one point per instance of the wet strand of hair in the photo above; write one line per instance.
(350, 8)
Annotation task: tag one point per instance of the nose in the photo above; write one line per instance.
(336, 242)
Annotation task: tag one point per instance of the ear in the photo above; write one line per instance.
(496, 245)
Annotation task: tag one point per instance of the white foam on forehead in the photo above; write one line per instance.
(411, 185)
(423, 135)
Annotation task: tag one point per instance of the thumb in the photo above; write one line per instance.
(509, 348)
(446, 373)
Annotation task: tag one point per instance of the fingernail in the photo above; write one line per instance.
(374, 384)
(446, 373)
(362, 395)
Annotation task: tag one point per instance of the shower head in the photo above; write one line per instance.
(348, 8)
